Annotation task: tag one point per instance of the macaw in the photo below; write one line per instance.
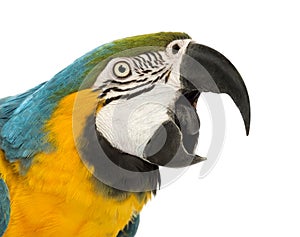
(80, 153)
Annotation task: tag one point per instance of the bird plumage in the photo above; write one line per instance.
(58, 196)
(4, 207)
(64, 171)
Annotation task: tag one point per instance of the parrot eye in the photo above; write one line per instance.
(122, 69)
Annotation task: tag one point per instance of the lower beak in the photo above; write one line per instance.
(203, 69)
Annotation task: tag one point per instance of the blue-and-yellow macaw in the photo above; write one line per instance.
(80, 154)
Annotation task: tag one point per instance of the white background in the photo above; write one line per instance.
(254, 188)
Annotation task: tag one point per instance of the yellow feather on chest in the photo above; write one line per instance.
(58, 195)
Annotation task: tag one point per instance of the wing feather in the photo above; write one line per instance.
(4, 207)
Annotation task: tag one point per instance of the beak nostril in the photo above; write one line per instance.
(175, 48)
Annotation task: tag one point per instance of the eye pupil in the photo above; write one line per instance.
(122, 69)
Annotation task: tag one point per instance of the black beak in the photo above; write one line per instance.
(203, 69)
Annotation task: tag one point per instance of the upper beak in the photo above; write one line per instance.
(206, 70)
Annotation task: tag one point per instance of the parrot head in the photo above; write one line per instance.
(148, 90)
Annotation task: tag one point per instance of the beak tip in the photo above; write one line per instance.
(247, 121)
(197, 159)
(247, 128)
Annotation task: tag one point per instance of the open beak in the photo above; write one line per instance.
(203, 69)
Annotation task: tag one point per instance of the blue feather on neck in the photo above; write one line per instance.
(22, 117)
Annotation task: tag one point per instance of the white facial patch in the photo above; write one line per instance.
(141, 102)
(129, 125)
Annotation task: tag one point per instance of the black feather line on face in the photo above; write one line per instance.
(126, 96)
(113, 98)
(144, 60)
(158, 71)
(140, 92)
(148, 56)
(167, 77)
(140, 66)
(117, 89)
